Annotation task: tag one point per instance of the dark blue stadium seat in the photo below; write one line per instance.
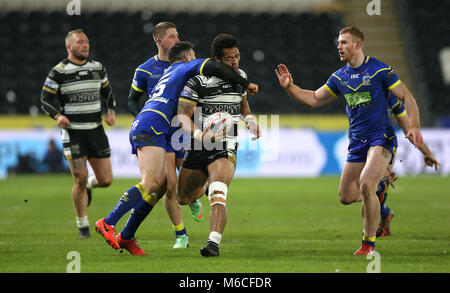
(32, 43)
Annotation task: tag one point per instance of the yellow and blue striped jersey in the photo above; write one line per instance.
(147, 75)
(165, 94)
(365, 90)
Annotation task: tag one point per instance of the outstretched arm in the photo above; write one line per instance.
(310, 98)
(213, 68)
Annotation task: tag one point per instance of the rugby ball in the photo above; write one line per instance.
(219, 121)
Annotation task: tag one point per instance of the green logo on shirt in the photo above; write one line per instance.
(358, 99)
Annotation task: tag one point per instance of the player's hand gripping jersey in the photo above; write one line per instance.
(164, 97)
(214, 95)
(153, 124)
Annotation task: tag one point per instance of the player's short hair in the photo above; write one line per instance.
(176, 51)
(222, 41)
(160, 29)
(75, 31)
(354, 31)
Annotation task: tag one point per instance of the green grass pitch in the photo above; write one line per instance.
(294, 225)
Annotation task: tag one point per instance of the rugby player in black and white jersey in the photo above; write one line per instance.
(72, 95)
(217, 166)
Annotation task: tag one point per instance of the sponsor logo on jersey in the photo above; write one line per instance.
(390, 73)
(187, 92)
(49, 83)
(233, 109)
(359, 99)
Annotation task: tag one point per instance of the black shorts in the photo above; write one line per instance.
(201, 159)
(92, 143)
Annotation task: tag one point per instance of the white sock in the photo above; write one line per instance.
(82, 222)
(91, 182)
(215, 237)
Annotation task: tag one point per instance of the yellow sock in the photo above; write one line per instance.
(178, 227)
(369, 240)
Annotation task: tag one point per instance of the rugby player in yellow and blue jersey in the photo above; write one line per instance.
(149, 135)
(146, 76)
(364, 83)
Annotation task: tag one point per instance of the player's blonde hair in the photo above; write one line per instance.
(160, 29)
(355, 32)
(72, 32)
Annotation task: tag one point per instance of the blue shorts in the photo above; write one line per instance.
(180, 148)
(148, 129)
(357, 148)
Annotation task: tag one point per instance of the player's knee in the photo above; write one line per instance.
(79, 179)
(366, 186)
(217, 193)
(153, 186)
(184, 200)
(344, 199)
(347, 197)
(183, 197)
(104, 181)
(171, 192)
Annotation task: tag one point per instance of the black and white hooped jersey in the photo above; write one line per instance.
(76, 92)
(214, 95)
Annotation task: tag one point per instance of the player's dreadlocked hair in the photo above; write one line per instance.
(176, 51)
(222, 41)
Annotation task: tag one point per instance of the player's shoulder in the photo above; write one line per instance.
(338, 73)
(153, 64)
(376, 63)
(197, 81)
(148, 63)
(59, 68)
(243, 73)
(94, 64)
(196, 62)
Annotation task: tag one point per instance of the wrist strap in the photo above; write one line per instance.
(197, 134)
(249, 117)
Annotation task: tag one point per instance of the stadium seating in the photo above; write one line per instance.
(31, 43)
(428, 22)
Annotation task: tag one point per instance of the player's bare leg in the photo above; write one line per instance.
(191, 185)
(102, 175)
(79, 172)
(221, 173)
(349, 191)
(152, 165)
(170, 198)
(141, 198)
(384, 228)
(171, 203)
(103, 171)
(377, 162)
